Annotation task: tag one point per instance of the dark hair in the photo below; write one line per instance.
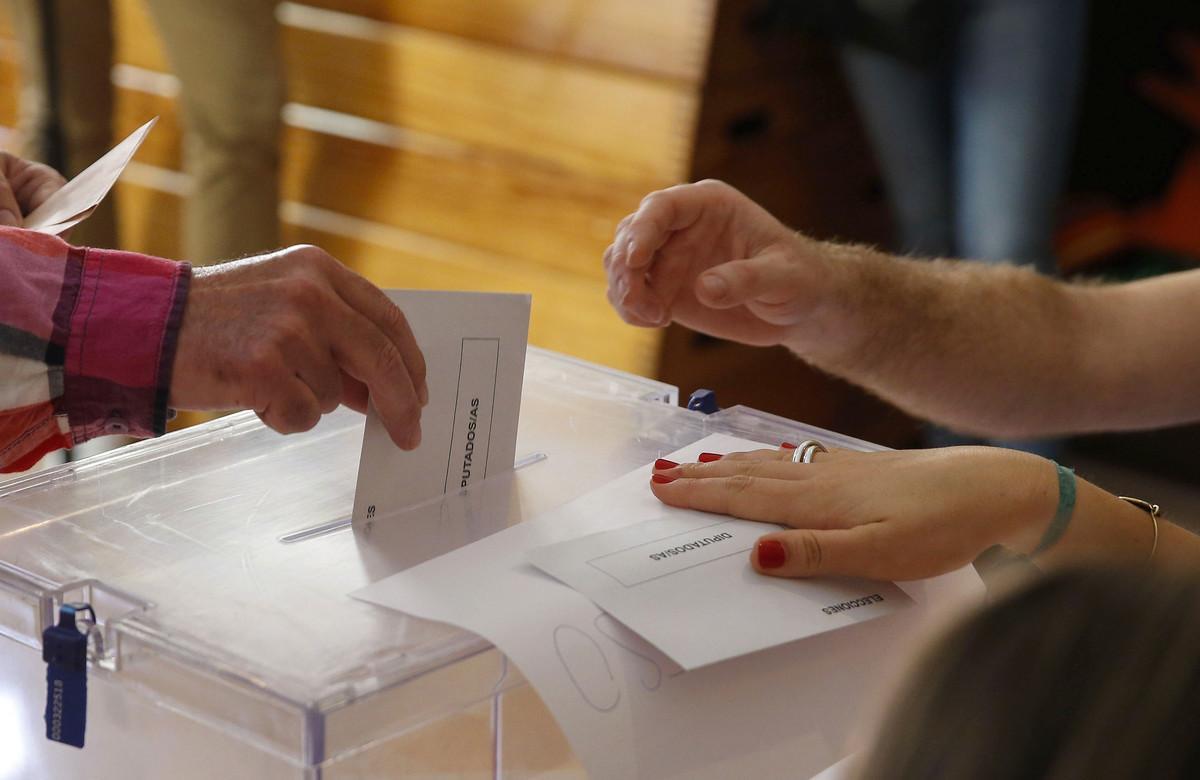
(1079, 674)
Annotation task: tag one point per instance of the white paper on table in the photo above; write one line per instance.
(682, 579)
(79, 197)
(628, 710)
(474, 346)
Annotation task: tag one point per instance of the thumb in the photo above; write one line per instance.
(848, 552)
(767, 278)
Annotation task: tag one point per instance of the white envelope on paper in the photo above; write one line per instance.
(682, 579)
(79, 197)
(474, 347)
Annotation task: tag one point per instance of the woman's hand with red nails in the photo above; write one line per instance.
(899, 515)
(706, 256)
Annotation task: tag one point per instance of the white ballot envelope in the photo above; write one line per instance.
(79, 197)
(682, 579)
(474, 346)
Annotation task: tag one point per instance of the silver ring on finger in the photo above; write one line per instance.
(812, 451)
(799, 455)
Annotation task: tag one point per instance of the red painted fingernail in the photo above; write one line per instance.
(787, 445)
(662, 464)
(709, 457)
(662, 479)
(771, 554)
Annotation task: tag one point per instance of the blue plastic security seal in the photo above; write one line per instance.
(703, 401)
(64, 649)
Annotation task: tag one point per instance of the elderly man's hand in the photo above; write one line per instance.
(708, 257)
(292, 335)
(24, 186)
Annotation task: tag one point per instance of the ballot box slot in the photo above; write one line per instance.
(342, 523)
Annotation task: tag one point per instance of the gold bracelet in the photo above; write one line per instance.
(1152, 510)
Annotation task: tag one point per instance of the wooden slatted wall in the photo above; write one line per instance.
(453, 144)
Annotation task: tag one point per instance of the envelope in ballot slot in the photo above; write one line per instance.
(474, 347)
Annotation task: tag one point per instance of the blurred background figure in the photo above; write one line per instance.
(225, 54)
(1080, 674)
(969, 105)
(66, 98)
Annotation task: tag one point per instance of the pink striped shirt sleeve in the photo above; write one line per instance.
(87, 343)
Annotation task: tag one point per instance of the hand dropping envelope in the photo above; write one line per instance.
(474, 346)
(80, 196)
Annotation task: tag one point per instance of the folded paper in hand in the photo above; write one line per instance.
(79, 197)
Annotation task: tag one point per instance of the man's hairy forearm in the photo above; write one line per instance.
(992, 350)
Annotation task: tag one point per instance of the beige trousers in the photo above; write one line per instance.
(226, 55)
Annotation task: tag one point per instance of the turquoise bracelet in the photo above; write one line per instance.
(1062, 515)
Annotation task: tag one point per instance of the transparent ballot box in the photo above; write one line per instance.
(218, 562)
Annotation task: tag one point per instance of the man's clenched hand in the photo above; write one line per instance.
(293, 334)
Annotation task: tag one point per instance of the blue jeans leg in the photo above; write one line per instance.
(905, 113)
(1014, 86)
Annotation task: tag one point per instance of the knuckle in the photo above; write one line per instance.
(739, 483)
(745, 274)
(310, 254)
(715, 185)
(652, 198)
(419, 371)
(394, 318)
(388, 361)
(290, 332)
(306, 419)
(303, 293)
(391, 368)
(751, 468)
(806, 550)
(262, 358)
(330, 401)
(300, 415)
(50, 174)
(329, 389)
(278, 345)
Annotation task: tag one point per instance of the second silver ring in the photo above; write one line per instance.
(805, 451)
